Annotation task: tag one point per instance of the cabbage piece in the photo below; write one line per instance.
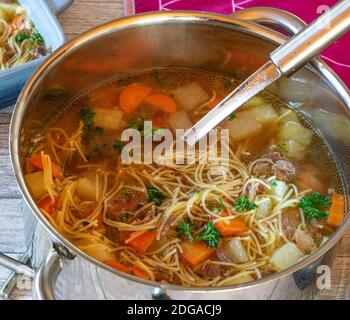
(244, 125)
(35, 184)
(294, 131)
(190, 96)
(180, 120)
(254, 102)
(264, 208)
(285, 256)
(108, 119)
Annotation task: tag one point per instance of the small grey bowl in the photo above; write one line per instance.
(43, 14)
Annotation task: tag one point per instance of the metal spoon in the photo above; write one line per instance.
(285, 60)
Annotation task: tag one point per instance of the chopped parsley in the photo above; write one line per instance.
(157, 77)
(232, 116)
(155, 195)
(315, 205)
(99, 130)
(274, 183)
(86, 115)
(125, 193)
(283, 147)
(118, 145)
(242, 204)
(55, 93)
(21, 36)
(184, 230)
(138, 124)
(218, 206)
(99, 148)
(227, 84)
(209, 235)
(37, 37)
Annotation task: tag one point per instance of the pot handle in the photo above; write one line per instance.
(58, 6)
(274, 18)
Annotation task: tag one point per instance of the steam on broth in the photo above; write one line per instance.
(179, 223)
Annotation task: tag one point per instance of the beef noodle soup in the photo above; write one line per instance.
(280, 199)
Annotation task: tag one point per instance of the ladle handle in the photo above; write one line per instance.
(309, 42)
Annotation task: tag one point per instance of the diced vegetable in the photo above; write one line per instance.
(278, 189)
(99, 252)
(36, 162)
(180, 120)
(235, 250)
(293, 150)
(190, 96)
(289, 115)
(86, 189)
(337, 210)
(264, 113)
(245, 125)
(143, 241)
(132, 96)
(264, 208)
(108, 119)
(237, 279)
(285, 256)
(35, 184)
(294, 131)
(195, 253)
(161, 102)
(139, 272)
(47, 204)
(230, 228)
(116, 265)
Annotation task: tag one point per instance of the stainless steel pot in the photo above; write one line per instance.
(187, 39)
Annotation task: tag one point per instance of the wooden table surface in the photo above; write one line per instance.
(81, 16)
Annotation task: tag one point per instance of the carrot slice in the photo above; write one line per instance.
(17, 21)
(124, 235)
(230, 228)
(162, 102)
(212, 104)
(116, 265)
(47, 204)
(132, 96)
(143, 241)
(138, 272)
(195, 253)
(37, 162)
(337, 210)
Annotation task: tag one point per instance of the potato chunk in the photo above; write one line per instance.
(108, 119)
(86, 189)
(264, 113)
(294, 131)
(190, 96)
(243, 126)
(35, 184)
(180, 120)
(285, 256)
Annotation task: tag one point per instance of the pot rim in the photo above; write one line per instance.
(138, 21)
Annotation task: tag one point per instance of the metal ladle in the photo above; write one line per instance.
(284, 61)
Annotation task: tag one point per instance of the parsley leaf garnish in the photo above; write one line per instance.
(315, 205)
(242, 203)
(283, 147)
(118, 145)
(86, 115)
(209, 235)
(157, 77)
(21, 36)
(37, 37)
(232, 116)
(155, 195)
(218, 206)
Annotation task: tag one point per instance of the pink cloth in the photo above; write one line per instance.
(337, 56)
